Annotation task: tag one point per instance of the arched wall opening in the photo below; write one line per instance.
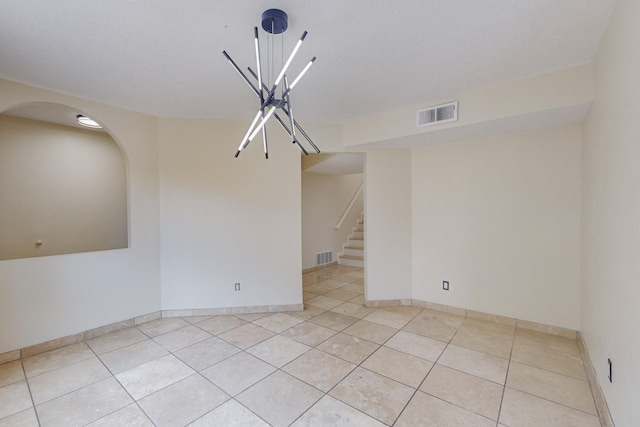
(63, 189)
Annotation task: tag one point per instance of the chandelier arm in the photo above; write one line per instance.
(260, 126)
(294, 140)
(287, 100)
(284, 126)
(286, 112)
(245, 140)
(258, 64)
(264, 139)
(286, 65)
(297, 79)
(304, 70)
(262, 105)
(244, 77)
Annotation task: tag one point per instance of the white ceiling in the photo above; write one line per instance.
(165, 57)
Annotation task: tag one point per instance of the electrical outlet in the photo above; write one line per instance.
(445, 285)
(237, 286)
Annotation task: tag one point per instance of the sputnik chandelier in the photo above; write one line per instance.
(277, 95)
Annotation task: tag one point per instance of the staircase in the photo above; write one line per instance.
(353, 251)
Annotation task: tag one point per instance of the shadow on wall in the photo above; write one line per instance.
(63, 189)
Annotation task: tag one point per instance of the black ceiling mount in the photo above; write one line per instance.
(274, 21)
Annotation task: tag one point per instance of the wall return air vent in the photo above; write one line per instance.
(439, 114)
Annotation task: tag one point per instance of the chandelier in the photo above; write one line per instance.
(274, 97)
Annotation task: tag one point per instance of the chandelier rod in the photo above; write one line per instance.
(286, 112)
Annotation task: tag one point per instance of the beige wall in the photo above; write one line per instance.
(324, 199)
(63, 186)
(388, 224)
(611, 211)
(554, 98)
(226, 220)
(499, 218)
(50, 297)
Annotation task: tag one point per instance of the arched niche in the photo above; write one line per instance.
(63, 188)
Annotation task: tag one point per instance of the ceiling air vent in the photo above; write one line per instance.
(439, 114)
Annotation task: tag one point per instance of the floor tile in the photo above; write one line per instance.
(238, 372)
(342, 294)
(308, 313)
(52, 360)
(11, 372)
(357, 288)
(496, 345)
(349, 348)
(277, 322)
(309, 333)
(319, 288)
(206, 353)
(442, 317)
(251, 317)
(211, 376)
(323, 302)
(221, 324)
(279, 399)
(131, 356)
(182, 402)
(375, 395)
(353, 310)
(487, 327)
(15, 398)
(561, 363)
(471, 393)
(332, 412)
(115, 340)
(431, 328)
(162, 326)
(85, 405)
(181, 338)
(152, 376)
(308, 295)
(333, 283)
(416, 345)
(358, 300)
(399, 366)
(522, 409)
(319, 369)
(547, 342)
(230, 413)
(389, 318)
(25, 418)
(129, 416)
(246, 336)
(278, 350)
(69, 378)
(551, 386)
(472, 362)
(335, 321)
(440, 414)
(370, 331)
(197, 319)
(405, 310)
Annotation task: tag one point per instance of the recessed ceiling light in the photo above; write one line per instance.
(87, 122)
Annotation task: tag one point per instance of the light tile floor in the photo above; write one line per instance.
(336, 363)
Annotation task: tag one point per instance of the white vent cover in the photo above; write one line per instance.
(324, 258)
(439, 114)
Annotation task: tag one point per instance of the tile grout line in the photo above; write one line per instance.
(122, 386)
(33, 403)
(504, 386)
